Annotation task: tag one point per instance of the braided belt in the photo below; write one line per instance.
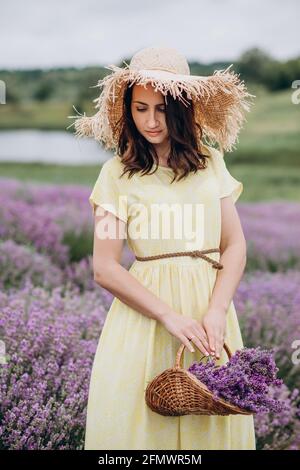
(193, 254)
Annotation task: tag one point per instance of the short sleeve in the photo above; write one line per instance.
(108, 192)
(228, 185)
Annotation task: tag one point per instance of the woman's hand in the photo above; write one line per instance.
(214, 324)
(185, 328)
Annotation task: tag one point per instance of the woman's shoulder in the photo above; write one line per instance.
(215, 160)
(112, 171)
(112, 163)
(113, 166)
(212, 152)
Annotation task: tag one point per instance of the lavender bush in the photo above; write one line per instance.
(280, 431)
(50, 342)
(32, 226)
(268, 306)
(54, 219)
(271, 244)
(19, 263)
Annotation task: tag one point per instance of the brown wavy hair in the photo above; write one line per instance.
(137, 154)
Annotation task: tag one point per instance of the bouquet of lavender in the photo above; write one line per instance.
(246, 380)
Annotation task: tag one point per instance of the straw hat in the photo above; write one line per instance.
(220, 100)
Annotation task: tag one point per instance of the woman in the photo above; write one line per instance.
(164, 179)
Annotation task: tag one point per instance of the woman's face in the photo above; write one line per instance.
(148, 112)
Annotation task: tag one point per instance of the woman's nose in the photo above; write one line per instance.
(153, 120)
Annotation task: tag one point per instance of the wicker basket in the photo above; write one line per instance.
(177, 392)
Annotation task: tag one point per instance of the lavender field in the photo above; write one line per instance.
(52, 312)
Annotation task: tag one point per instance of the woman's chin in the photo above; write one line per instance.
(156, 139)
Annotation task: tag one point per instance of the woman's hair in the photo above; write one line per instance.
(138, 154)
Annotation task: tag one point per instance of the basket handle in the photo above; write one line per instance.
(181, 348)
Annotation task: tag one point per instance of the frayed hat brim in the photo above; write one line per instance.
(220, 102)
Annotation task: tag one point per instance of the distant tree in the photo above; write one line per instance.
(43, 92)
(257, 66)
(254, 63)
(286, 73)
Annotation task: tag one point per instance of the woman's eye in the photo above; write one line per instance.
(143, 109)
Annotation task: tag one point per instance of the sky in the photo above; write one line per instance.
(62, 33)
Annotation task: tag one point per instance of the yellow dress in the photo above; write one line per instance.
(133, 348)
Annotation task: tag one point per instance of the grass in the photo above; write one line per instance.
(50, 115)
(264, 182)
(261, 181)
(272, 131)
(50, 173)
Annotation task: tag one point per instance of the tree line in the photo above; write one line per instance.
(77, 85)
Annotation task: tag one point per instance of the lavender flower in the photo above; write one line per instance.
(244, 380)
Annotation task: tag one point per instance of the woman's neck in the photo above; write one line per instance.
(163, 153)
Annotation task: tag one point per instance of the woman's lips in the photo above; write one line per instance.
(153, 133)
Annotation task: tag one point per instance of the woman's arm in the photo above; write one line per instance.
(233, 257)
(110, 274)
